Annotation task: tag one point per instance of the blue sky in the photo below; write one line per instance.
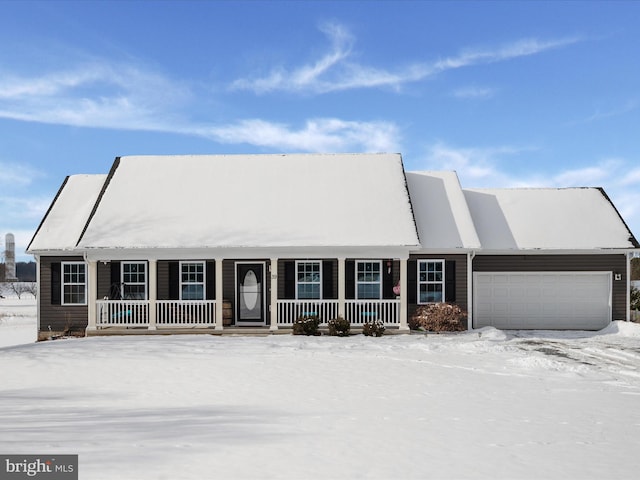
(508, 94)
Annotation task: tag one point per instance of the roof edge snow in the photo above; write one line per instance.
(53, 202)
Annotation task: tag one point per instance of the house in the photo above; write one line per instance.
(251, 242)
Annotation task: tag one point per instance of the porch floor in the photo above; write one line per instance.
(242, 331)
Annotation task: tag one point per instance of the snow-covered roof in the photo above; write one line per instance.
(547, 218)
(62, 225)
(209, 201)
(441, 211)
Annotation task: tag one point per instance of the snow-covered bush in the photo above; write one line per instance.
(373, 329)
(439, 317)
(306, 325)
(339, 327)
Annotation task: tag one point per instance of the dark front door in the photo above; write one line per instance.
(250, 294)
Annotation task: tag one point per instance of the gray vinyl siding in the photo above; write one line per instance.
(163, 280)
(59, 318)
(564, 263)
(460, 283)
(104, 280)
(229, 284)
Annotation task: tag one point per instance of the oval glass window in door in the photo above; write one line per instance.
(250, 290)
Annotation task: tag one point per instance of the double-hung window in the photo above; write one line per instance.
(369, 279)
(192, 280)
(308, 280)
(430, 281)
(74, 283)
(134, 280)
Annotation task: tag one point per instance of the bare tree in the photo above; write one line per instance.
(22, 287)
(32, 288)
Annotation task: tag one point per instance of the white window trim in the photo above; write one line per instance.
(358, 262)
(204, 277)
(63, 283)
(419, 283)
(319, 262)
(146, 278)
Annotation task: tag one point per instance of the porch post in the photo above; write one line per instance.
(470, 256)
(38, 283)
(403, 295)
(274, 294)
(341, 288)
(92, 294)
(219, 294)
(628, 277)
(153, 292)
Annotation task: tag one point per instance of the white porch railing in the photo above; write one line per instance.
(202, 313)
(290, 310)
(185, 313)
(122, 313)
(359, 312)
(169, 313)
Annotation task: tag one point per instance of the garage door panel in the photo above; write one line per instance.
(536, 300)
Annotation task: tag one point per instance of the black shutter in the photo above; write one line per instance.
(327, 280)
(412, 282)
(174, 281)
(350, 279)
(289, 280)
(211, 281)
(387, 279)
(115, 291)
(56, 287)
(450, 281)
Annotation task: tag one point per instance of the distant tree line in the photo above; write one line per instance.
(25, 271)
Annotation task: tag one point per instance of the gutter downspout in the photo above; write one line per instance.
(470, 257)
(39, 294)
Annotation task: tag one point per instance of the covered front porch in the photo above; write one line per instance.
(242, 295)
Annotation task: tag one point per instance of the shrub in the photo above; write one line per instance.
(306, 325)
(635, 299)
(373, 329)
(339, 327)
(439, 317)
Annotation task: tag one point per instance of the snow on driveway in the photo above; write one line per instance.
(483, 404)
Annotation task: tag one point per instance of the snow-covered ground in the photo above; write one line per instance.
(483, 404)
(17, 319)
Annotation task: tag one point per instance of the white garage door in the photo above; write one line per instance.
(542, 300)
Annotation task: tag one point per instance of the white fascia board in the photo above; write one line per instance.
(242, 253)
(443, 251)
(600, 251)
(71, 252)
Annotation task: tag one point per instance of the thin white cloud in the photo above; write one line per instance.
(23, 207)
(317, 135)
(96, 94)
(335, 70)
(589, 176)
(100, 95)
(629, 106)
(15, 175)
(473, 92)
(632, 177)
(481, 166)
